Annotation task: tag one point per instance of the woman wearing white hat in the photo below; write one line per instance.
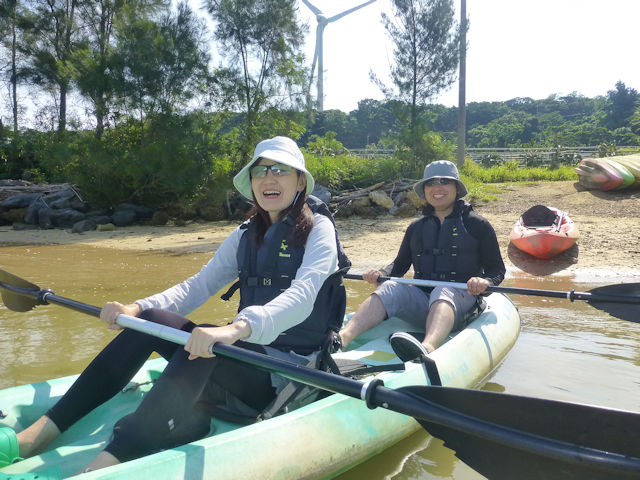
(287, 260)
(449, 243)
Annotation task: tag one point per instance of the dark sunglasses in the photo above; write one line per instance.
(278, 169)
(442, 181)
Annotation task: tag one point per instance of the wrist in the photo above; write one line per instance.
(242, 326)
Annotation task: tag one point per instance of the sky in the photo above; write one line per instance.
(516, 48)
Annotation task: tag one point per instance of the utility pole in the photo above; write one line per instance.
(462, 105)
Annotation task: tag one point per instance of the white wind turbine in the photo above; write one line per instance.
(323, 21)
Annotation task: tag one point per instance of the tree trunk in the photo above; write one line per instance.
(14, 77)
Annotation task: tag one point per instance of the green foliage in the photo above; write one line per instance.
(167, 160)
(513, 172)
(338, 172)
(326, 146)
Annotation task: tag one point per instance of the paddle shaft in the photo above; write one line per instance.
(373, 393)
(571, 295)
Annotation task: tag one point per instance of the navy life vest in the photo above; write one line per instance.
(446, 252)
(277, 264)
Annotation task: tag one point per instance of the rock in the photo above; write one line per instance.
(380, 198)
(65, 218)
(159, 218)
(14, 215)
(21, 226)
(211, 212)
(84, 225)
(124, 216)
(361, 202)
(404, 210)
(141, 212)
(322, 193)
(66, 199)
(415, 200)
(21, 200)
(106, 227)
(31, 217)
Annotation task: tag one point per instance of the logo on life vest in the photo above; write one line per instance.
(283, 249)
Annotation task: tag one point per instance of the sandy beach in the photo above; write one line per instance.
(608, 246)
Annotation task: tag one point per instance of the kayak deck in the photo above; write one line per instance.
(319, 440)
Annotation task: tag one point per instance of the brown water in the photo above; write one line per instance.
(566, 351)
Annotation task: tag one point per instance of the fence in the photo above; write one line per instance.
(541, 156)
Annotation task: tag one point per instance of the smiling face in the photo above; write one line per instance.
(441, 197)
(276, 193)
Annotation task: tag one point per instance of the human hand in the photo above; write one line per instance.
(203, 338)
(477, 285)
(371, 276)
(111, 310)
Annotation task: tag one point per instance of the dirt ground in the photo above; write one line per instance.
(608, 222)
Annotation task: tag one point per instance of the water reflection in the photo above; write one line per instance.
(566, 351)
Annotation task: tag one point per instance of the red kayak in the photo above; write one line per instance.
(544, 232)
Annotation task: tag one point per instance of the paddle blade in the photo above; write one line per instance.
(592, 433)
(15, 301)
(621, 300)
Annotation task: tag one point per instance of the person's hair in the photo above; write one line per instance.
(300, 213)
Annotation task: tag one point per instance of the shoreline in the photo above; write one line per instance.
(369, 243)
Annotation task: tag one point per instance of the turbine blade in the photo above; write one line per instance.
(315, 10)
(347, 12)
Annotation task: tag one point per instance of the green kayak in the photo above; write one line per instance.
(319, 440)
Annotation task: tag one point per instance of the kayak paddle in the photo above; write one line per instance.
(613, 299)
(501, 436)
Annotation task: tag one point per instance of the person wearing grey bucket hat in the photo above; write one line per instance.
(450, 243)
(289, 265)
(440, 169)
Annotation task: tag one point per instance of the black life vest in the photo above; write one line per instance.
(446, 252)
(277, 264)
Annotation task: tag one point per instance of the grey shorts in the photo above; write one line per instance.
(411, 303)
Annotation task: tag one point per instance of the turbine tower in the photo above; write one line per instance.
(323, 21)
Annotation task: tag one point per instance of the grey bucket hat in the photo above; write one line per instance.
(440, 169)
(280, 150)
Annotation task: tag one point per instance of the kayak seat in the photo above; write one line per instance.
(538, 216)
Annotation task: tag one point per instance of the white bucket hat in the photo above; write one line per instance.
(279, 149)
(440, 169)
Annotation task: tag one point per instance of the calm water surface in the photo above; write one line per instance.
(571, 352)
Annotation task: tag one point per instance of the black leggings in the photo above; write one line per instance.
(169, 414)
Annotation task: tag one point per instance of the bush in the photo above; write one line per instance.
(168, 159)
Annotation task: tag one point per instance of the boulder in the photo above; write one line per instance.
(403, 210)
(20, 200)
(380, 198)
(124, 216)
(14, 215)
(84, 225)
(159, 218)
(322, 193)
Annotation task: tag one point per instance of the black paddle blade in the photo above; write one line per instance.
(621, 300)
(15, 301)
(598, 441)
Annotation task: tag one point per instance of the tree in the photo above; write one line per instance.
(159, 66)
(427, 41)
(9, 41)
(261, 42)
(95, 59)
(622, 105)
(426, 53)
(51, 42)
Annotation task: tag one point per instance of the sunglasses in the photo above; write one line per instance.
(442, 181)
(277, 169)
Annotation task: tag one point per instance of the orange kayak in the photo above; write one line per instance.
(544, 232)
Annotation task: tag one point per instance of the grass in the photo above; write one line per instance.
(342, 172)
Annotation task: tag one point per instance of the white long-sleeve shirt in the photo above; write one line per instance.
(267, 321)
